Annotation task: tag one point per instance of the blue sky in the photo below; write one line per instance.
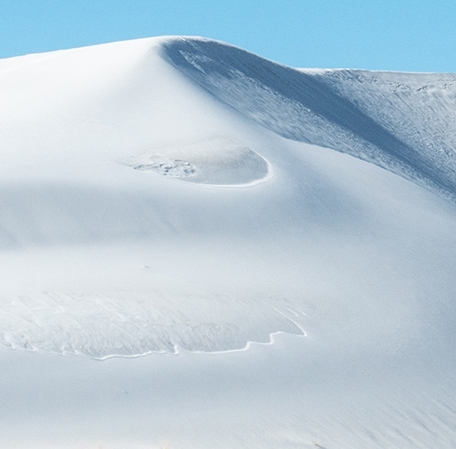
(406, 35)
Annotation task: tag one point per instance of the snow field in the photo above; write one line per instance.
(186, 260)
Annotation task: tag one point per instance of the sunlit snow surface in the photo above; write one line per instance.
(181, 199)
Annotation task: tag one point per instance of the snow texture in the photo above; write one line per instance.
(337, 109)
(181, 198)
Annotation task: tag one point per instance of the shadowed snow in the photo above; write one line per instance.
(336, 109)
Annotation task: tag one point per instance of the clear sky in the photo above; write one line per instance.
(406, 35)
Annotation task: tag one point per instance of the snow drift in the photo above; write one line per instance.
(179, 195)
(299, 104)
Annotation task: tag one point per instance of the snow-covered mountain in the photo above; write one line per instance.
(181, 196)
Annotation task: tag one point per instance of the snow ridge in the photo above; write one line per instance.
(161, 196)
(337, 109)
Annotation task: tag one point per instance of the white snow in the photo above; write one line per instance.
(181, 200)
(213, 162)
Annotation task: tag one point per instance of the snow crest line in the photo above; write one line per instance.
(336, 109)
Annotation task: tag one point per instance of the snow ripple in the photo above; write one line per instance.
(412, 134)
(125, 325)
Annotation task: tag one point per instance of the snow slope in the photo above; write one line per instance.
(181, 198)
(412, 133)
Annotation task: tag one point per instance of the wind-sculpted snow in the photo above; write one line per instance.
(162, 197)
(403, 122)
(125, 324)
(229, 165)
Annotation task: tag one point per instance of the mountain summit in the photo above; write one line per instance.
(289, 233)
